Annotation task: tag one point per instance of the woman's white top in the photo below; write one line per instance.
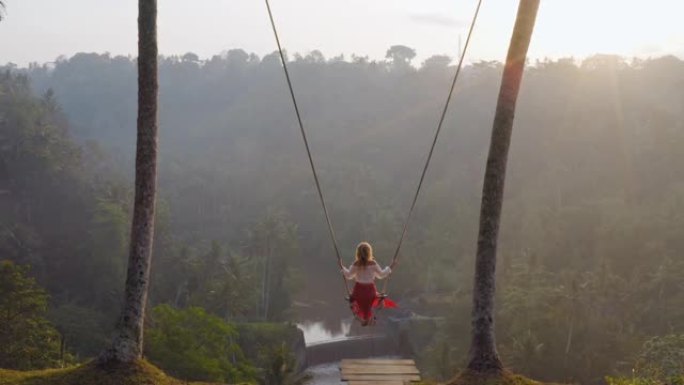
(365, 274)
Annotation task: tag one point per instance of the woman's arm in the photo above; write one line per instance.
(349, 273)
(382, 273)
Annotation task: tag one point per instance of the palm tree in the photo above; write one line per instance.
(128, 337)
(483, 355)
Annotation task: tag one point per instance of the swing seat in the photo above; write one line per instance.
(380, 298)
(381, 301)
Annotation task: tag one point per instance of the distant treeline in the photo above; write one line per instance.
(593, 214)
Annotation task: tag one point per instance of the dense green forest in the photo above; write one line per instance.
(591, 249)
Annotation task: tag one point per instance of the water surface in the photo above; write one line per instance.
(320, 331)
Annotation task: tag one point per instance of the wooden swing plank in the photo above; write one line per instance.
(380, 369)
(377, 361)
(381, 377)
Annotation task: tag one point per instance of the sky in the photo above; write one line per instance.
(42, 30)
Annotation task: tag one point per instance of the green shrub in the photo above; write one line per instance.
(258, 337)
(273, 348)
(661, 362)
(27, 339)
(280, 367)
(662, 357)
(194, 345)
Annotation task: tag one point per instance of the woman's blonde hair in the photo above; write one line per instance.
(364, 254)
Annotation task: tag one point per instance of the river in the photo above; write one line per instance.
(319, 331)
(325, 322)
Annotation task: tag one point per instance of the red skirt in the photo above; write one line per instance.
(365, 298)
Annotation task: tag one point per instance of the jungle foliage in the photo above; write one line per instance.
(591, 247)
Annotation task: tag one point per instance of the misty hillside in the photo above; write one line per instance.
(603, 130)
(593, 215)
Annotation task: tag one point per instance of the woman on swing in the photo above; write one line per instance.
(365, 297)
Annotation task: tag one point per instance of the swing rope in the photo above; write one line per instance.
(427, 161)
(306, 144)
(434, 142)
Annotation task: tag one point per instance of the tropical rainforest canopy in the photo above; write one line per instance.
(591, 249)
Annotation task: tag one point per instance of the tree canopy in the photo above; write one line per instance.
(590, 249)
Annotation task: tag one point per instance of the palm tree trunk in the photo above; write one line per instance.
(483, 355)
(128, 339)
(267, 279)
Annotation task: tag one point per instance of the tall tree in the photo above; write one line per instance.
(483, 355)
(128, 337)
(401, 55)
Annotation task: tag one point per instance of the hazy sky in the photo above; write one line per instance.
(41, 30)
